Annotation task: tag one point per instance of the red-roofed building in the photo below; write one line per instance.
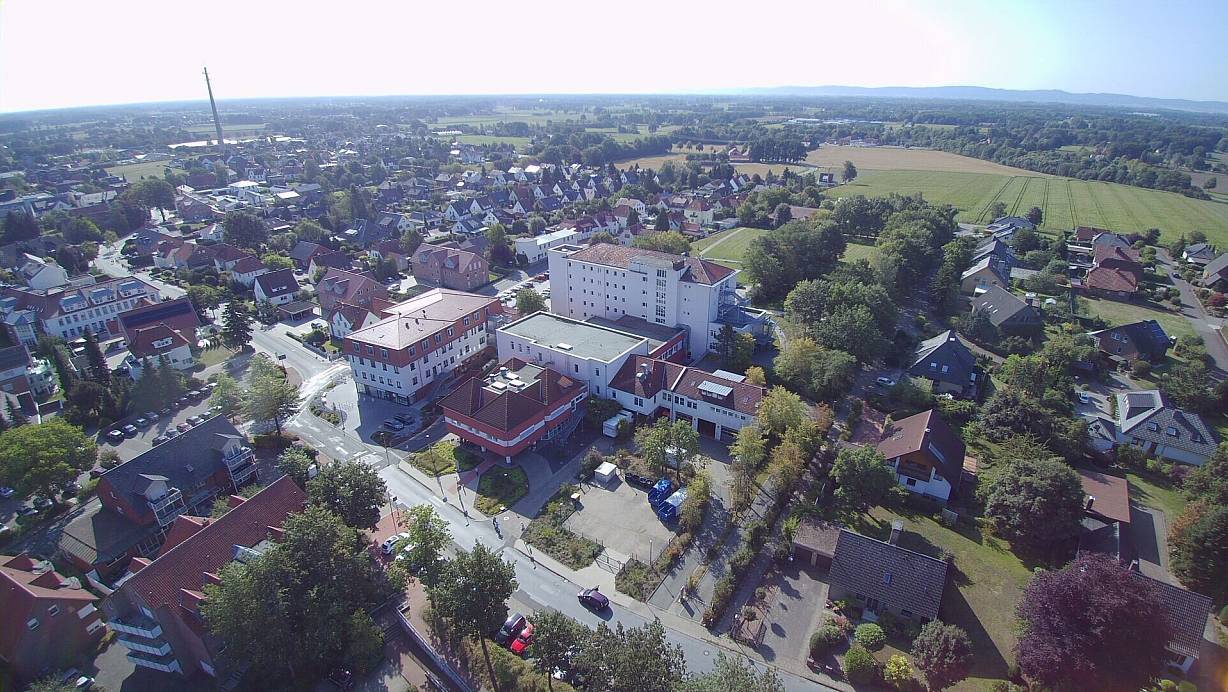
(514, 408)
(156, 611)
(153, 344)
(925, 453)
(47, 622)
(341, 286)
(717, 404)
(1110, 282)
(460, 270)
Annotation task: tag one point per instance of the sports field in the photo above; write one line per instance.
(1066, 202)
(729, 247)
(135, 171)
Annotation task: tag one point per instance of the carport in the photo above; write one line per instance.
(297, 310)
(814, 544)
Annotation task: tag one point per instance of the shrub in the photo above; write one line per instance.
(1140, 368)
(860, 666)
(741, 559)
(1223, 615)
(898, 672)
(824, 640)
(870, 636)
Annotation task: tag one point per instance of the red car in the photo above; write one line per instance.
(524, 641)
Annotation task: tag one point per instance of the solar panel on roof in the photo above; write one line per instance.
(715, 389)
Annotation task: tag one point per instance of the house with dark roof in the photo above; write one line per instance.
(1147, 419)
(140, 498)
(276, 287)
(303, 251)
(1135, 341)
(717, 404)
(341, 286)
(1215, 273)
(47, 622)
(515, 408)
(925, 453)
(883, 577)
(329, 259)
(156, 611)
(947, 362)
(1199, 253)
(178, 314)
(989, 270)
(1007, 312)
(1187, 613)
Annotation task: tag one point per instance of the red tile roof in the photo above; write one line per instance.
(1111, 493)
(917, 433)
(25, 592)
(701, 270)
(661, 375)
(508, 410)
(1115, 252)
(185, 565)
(141, 341)
(1111, 279)
(664, 375)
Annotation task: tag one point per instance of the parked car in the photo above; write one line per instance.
(160, 439)
(172, 433)
(151, 416)
(116, 436)
(169, 410)
(26, 510)
(884, 381)
(663, 489)
(512, 627)
(521, 644)
(1084, 398)
(183, 427)
(394, 424)
(41, 503)
(129, 430)
(77, 680)
(194, 421)
(390, 543)
(593, 599)
(638, 481)
(71, 488)
(405, 418)
(6, 492)
(141, 423)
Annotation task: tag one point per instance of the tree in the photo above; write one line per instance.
(270, 397)
(1092, 625)
(998, 210)
(662, 221)
(862, 477)
(410, 241)
(284, 611)
(237, 327)
(16, 417)
(668, 444)
(352, 490)
(153, 192)
(756, 375)
(556, 638)
(850, 172)
(1200, 549)
(1035, 502)
(244, 229)
(1036, 215)
(275, 261)
(428, 537)
(736, 349)
(797, 251)
(529, 301)
(19, 226)
(603, 238)
(227, 395)
(669, 241)
(99, 370)
(783, 214)
(699, 493)
(860, 666)
(943, 653)
(39, 459)
(1209, 481)
(639, 659)
(364, 643)
(296, 463)
(733, 674)
(898, 672)
(204, 298)
(781, 410)
(52, 683)
(817, 372)
(472, 594)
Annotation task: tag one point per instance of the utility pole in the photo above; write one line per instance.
(217, 121)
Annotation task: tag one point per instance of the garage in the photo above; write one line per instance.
(706, 428)
(814, 544)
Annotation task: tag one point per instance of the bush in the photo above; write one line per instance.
(870, 636)
(841, 623)
(87, 490)
(741, 559)
(825, 640)
(1140, 368)
(1223, 615)
(860, 666)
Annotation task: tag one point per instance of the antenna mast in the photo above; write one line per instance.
(217, 122)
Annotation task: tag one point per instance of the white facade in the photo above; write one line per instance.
(596, 371)
(936, 487)
(99, 305)
(179, 358)
(651, 287)
(724, 418)
(535, 248)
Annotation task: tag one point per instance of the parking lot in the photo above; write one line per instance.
(618, 516)
(144, 438)
(542, 285)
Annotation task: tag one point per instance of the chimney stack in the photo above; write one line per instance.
(1091, 499)
(897, 528)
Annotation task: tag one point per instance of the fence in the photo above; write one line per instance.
(453, 679)
(609, 564)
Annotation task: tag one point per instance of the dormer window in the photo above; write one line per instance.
(1171, 431)
(1153, 427)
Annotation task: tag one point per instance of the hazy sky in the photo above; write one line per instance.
(56, 53)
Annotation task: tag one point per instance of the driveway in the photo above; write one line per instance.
(796, 608)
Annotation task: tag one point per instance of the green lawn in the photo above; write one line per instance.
(135, 171)
(1117, 312)
(501, 487)
(214, 356)
(856, 251)
(1156, 492)
(518, 142)
(443, 457)
(730, 245)
(987, 583)
(1066, 202)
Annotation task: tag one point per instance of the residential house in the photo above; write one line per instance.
(515, 408)
(302, 253)
(1215, 273)
(990, 270)
(450, 268)
(178, 314)
(15, 377)
(1187, 613)
(348, 318)
(1007, 313)
(156, 611)
(42, 275)
(534, 248)
(998, 249)
(246, 270)
(1106, 515)
(48, 622)
(364, 233)
(141, 497)
(1004, 227)
(814, 542)
(1135, 341)
(328, 260)
(716, 404)
(883, 577)
(276, 287)
(155, 344)
(1199, 253)
(340, 286)
(925, 453)
(1147, 419)
(948, 364)
(390, 251)
(1110, 282)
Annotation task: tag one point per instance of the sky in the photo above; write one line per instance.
(64, 53)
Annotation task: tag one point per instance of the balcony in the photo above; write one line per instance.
(138, 626)
(152, 647)
(166, 664)
(917, 471)
(167, 507)
(241, 474)
(238, 457)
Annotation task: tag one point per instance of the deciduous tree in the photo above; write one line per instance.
(781, 410)
(668, 444)
(556, 639)
(669, 241)
(529, 301)
(943, 653)
(862, 477)
(352, 490)
(733, 674)
(39, 459)
(472, 595)
(237, 327)
(270, 397)
(1035, 502)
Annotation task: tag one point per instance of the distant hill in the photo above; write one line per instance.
(973, 93)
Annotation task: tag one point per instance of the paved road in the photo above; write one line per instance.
(111, 263)
(1204, 324)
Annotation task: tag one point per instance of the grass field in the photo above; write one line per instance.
(135, 171)
(518, 142)
(228, 129)
(1116, 312)
(899, 159)
(729, 247)
(1066, 202)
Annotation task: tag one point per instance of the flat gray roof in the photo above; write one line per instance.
(585, 339)
(657, 334)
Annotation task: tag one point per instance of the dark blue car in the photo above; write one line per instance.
(663, 489)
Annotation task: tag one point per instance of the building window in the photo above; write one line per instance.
(383, 353)
(53, 610)
(32, 623)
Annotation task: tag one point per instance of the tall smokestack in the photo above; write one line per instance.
(217, 122)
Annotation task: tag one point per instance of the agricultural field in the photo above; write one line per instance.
(478, 140)
(133, 172)
(900, 159)
(1066, 202)
(228, 129)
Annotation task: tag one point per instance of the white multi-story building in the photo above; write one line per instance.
(536, 247)
(69, 311)
(420, 343)
(611, 282)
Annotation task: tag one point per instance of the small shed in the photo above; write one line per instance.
(606, 472)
